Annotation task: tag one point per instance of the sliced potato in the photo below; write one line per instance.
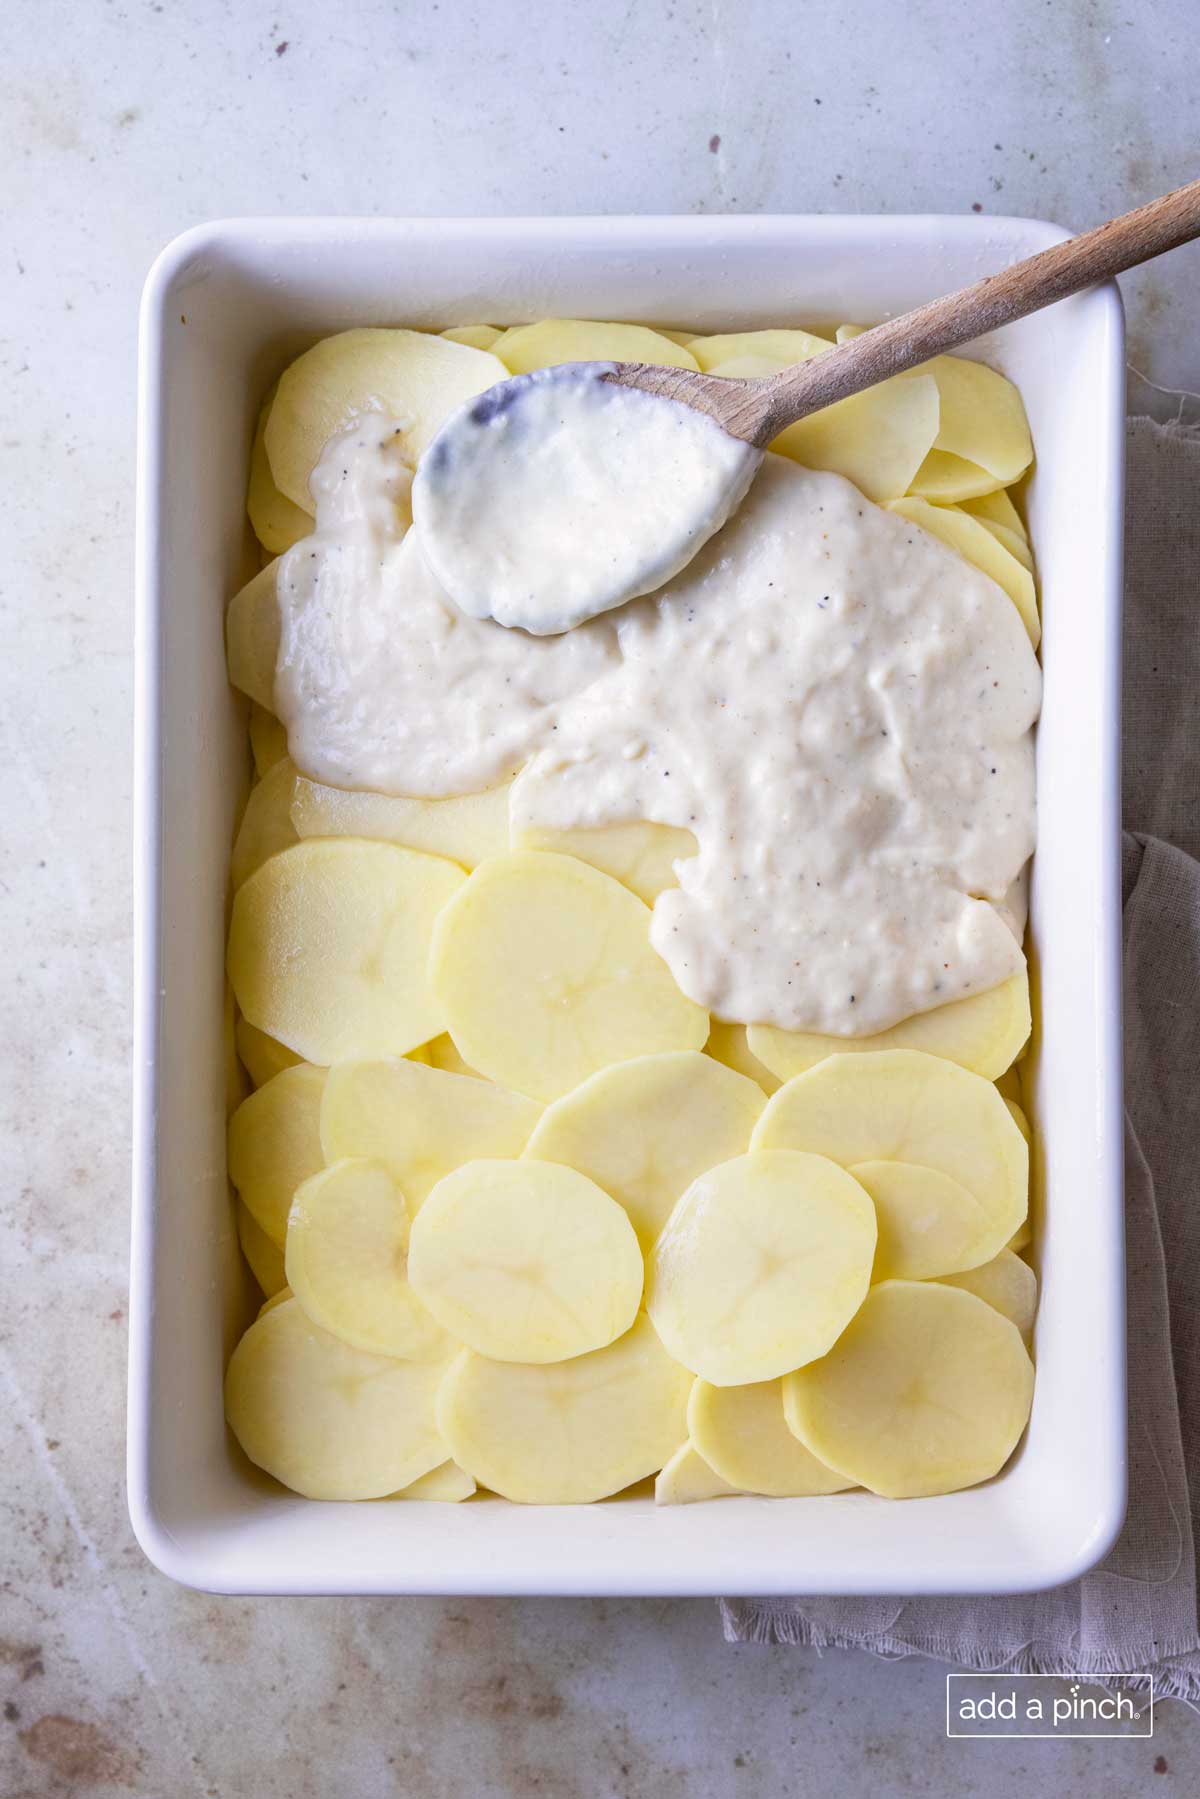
(479, 337)
(999, 509)
(347, 1263)
(982, 418)
(1021, 1237)
(416, 378)
(329, 1421)
(643, 1130)
(641, 855)
(266, 826)
(1005, 1282)
(985, 1032)
(276, 1299)
(546, 974)
(762, 1264)
(329, 946)
(846, 332)
(421, 1123)
(742, 1434)
(526, 1261)
(441, 1053)
(903, 1106)
(262, 1057)
(927, 1391)
(977, 544)
(447, 1483)
(687, 1477)
(1019, 1119)
(564, 1433)
(729, 1043)
(268, 739)
(783, 348)
(261, 1251)
(466, 829)
(526, 347)
(275, 1144)
(235, 1078)
(877, 439)
(275, 521)
(945, 480)
(252, 630)
(929, 1224)
(1012, 541)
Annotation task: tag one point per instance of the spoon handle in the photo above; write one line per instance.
(905, 342)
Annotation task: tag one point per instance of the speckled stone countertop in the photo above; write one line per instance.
(123, 122)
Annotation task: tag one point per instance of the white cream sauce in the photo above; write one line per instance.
(835, 704)
(559, 495)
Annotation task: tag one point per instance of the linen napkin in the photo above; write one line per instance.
(1137, 1610)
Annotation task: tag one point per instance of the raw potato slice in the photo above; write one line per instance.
(329, 1421)
(276, 1299)
(466, 829)
(877, 439)
(742, 1434)
(975, 543)
(262, 1252)
(846, 332)
(526, 347)
(275, 521)
(729, 1043)
(441, 1053)
(266, 826)
(268, 739)
(262, 1057)
(643, 1130)
(479, 337)
(526, 1261)
(641, 855)
(985, 1032)
(414, 377)
(566, 1433)
(687, 1477)
(235, 1079)
(447, 1483)
(275, 1144)
(762, 1264)
(929, 1224)
(1012, 541)
(927, 1391)
(546, 973)
(252, 629)
(1005, 1282)
(783, 348)
(982, 418)
(903, 1106)
(420, 1122)
(329, 946)
(946, 479)
(346, 1260)
(997, 507)
(1018, 1115)
(1021, 1238)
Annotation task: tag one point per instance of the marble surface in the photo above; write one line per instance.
(122, 123)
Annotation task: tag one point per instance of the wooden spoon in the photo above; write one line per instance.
(758, 410)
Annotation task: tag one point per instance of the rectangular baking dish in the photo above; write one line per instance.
(225, 307)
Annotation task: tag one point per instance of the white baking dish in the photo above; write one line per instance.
(225, 306)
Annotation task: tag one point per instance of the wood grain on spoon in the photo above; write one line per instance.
(757, 411)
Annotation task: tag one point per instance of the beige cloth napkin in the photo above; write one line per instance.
(1137, 1610)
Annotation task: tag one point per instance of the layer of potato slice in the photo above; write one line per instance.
(1009, 540)
(729, 1043)
(523, 348)
(441, 1052)
(985, 1032)
(742, 1434)
(565, 1433)
(448, 1484)
(783, 348)
(275, 520)
(998, 509)
(268, 739)
(275, 1144)
(687, 1478)
(982, 418)
(262, 1057)
(546, 974)
(641, 855)
(977, 544)
(347, 1263)
(252, 630)
(329, 947)
(1005, 1282)
(761, 1265)
(466, 829)
(266, 826)
(526, 1261)
(1017, 1113)
(946, 480)
(877, 439)
(263, 1254)
(327, 1420)
(420, 1122)
(929, 1224)
(643, 1130)
(276, 1299)
(901, 1105)
(927, 1391)
(412, 376)
(479, 337)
